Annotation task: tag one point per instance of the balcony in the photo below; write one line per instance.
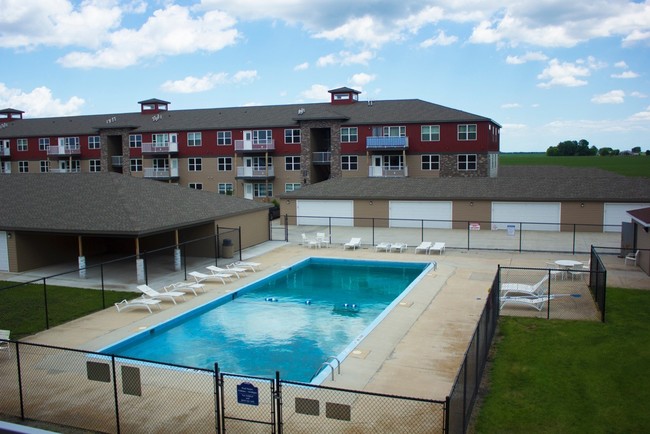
(255, 172)
(254, 145)
(63, 150)
(116, 160)
(321, 158)
(388, 172)
(64, 170)
(159, 148)
(160, 173)
(387, 143)
(5, 152)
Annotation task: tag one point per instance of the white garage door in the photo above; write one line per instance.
(4, 252)
(616, 213)
(411, 214)
(505, 213)
(321, 210)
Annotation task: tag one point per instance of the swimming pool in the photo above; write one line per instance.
(291, 321)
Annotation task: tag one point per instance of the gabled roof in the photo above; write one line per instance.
(393, 112)
(514, 183)
(642, 216)
(108, 204)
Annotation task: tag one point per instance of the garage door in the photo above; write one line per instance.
(615, 213)
(411, 214)
(4, 252)
(505, 213)
(317, 212)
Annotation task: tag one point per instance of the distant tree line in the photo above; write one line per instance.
(571, 148)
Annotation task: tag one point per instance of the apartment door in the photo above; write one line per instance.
(4, 252)
(248, 139)
(248, 190)
(376, 167)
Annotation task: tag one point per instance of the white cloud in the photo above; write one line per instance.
(366, 30)
(301, 67)
(643, 116)
(528, 57)
(39, 102)
(621, 64)
(511, 105)
(317, 92)
(625, 74)
(361, 79)
(635, 37)
(440, 39)
(637, 94)
(611, 97)
(207, 82)
(170, 31)
(567, 74)
(345, 58)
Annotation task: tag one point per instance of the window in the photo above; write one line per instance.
(349, 162)
(69, 142)
(135, 164)
(292, 136)
(467, 162)
(94, 142)
(45, 166)
(195, 185)
(21, 144)
(430, 133)
(23, 166)
(291, 187)
(431, 162)
(160, 164)
(292, 163)
(349, 135)
(262, 137)
(224, 164)
(193, 139)
(43, 143)
(263, 190)
(73, 166)
(224, 138)
(194, 164)
(394, 131)
(135, 140)
(225, 188)
(467, 132)
(95, 165)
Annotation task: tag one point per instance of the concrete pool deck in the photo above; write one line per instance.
(415, 351)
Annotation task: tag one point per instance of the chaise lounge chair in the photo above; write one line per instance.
(534, 302)
(385, 247)
(152, 293)
(437, 247)
(138, 302)
(398, 247)
(218, 270)
(4, 346)
(352, 244)
(423, 247)
(185, 287)
(202, 277)
(536, 290)
(244, 264)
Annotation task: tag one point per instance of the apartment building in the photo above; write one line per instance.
(258, 152)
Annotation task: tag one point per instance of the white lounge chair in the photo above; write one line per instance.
(202, 277)
(184, 287)
(307, 242)
(398, 247)
(137, 302)
(424, 247)
(152, 293)
(322, 239)
(536, 290)
(244, 264)
(384, 247)
(534, 302)
(218, 270)
(555, 270)
(352, 244)
(4, 346)
(632, 257)
(437, 247)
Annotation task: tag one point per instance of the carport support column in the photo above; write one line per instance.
(82, 259)
(177, 254)
(139, 262)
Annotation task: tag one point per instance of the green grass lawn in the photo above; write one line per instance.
(22, 310)
(572, 377)
(623, 165)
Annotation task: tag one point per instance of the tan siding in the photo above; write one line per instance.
(471, 211)
(585, 213)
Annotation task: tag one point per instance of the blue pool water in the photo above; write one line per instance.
(290, 321)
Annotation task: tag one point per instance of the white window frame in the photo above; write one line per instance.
(22, 145)
(261, 189)
(291, 186)
(430, 163)
(394, 131)
(467, 132)
(43, 143)
(263, 137)
(292, 163)
(195, 185)
(223, 163)
(194, 139)
(292, 136)
(349, 135)
(430, 135)
(135, 141)
(225, 187)
(195, 164)
(45, 166)
(135, 165)
(95, 165)
(224, 138)
(347, 161)
(466, 165)
(23, 167)
(94, 142)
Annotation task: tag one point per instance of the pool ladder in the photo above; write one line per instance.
(328, 362)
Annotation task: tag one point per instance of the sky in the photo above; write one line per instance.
(545, 70)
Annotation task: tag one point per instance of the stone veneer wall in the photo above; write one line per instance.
(449, 166)
(107, 165)
(306, 147)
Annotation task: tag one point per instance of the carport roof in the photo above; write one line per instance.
(108, 204)
(514, 183)
(641, 215)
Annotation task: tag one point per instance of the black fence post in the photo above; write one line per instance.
(20, 382)
(117, 406)
(573, 250)
(217, 399)
(373, 231)
(447, 413)
(239, 238)
(278, 403)
(47, 313)
(286, 228)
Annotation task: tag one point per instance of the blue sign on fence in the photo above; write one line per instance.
(247, 394)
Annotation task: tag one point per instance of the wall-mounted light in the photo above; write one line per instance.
(582, 204)
(370, 202)
(9, 235)
(471, 204)
(288, 202)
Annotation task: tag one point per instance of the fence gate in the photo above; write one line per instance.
(245, 404)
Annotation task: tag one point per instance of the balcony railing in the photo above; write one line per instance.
(62, 170)
(159, 148)
(116, 160)
(388, 142)
(321, 157)
(5, 152)
(63, 150)
(388, 172)
(255, 145)
(160, 173)
(255, 172)
(5, 167)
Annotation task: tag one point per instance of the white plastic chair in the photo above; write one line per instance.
(632, 257)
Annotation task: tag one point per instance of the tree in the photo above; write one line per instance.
(605, 152)
(636, 150)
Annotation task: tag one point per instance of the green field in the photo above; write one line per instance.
(623, 165)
